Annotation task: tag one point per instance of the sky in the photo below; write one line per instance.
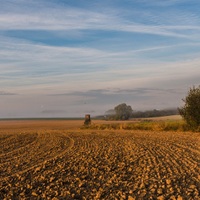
(67, 58)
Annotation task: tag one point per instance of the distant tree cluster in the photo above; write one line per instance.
(191, 109)
(154, 113)
(120, 112)
(124, 112)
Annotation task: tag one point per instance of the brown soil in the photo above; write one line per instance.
(57, 160)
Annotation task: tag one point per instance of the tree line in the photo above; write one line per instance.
(119, 113)
(190, 112)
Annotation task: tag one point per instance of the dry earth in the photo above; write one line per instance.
(53, 160)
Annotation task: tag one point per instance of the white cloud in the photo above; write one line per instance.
(54, 17)
(28, 65)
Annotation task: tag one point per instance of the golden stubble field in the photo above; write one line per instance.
(57, 160)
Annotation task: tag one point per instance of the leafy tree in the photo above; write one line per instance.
(123, 112)
(191, 110)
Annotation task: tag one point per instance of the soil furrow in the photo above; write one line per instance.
(101, 165)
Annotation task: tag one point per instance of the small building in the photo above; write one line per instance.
(87, 120)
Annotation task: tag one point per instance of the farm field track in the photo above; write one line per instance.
(64, 162)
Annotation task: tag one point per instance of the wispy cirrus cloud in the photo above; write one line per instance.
(4, 93)
(139, 98)
(167, 3)
(39, 65)
(57, 17)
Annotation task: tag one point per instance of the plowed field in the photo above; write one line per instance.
(84, 164)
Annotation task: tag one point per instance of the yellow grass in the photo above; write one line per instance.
(167, 123)
(171, 117)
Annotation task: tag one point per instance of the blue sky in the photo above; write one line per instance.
(66, 58)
